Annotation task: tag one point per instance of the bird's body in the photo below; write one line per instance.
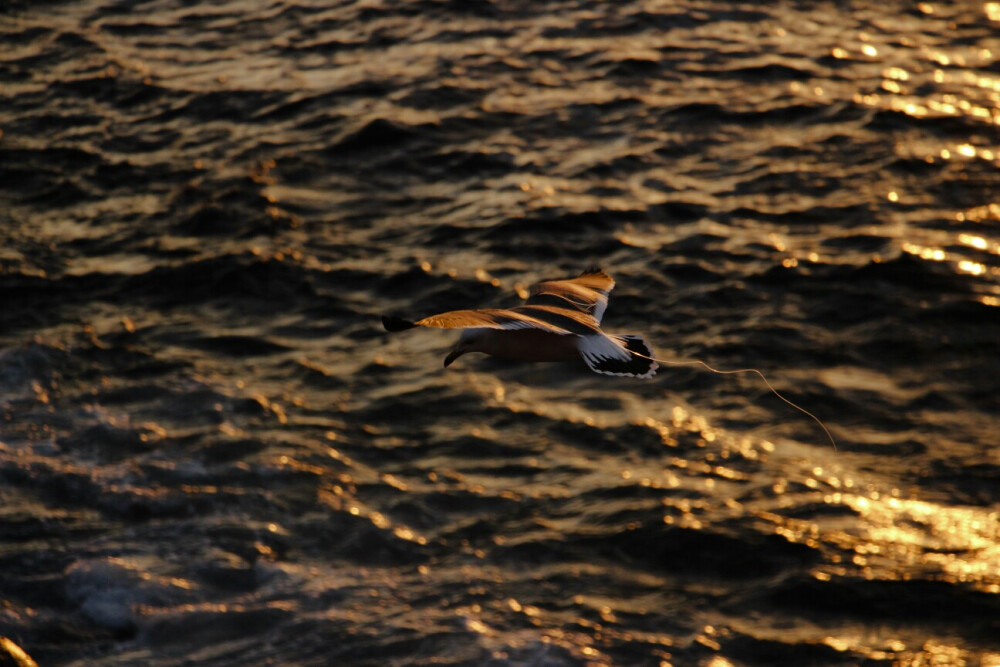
(527, 345)
(560, 321)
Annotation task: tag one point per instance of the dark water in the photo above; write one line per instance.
(211, 454)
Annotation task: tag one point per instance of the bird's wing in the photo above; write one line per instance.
(628, 355)
(560, 317)
(492, 319)
(587, 293)
(565, 307)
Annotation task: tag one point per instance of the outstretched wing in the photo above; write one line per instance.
(564, 307)
(561, 321)
(490, 319)
(587, 293)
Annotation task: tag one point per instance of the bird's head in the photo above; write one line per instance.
(471, 340)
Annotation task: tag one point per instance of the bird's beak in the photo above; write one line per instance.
(453, 355)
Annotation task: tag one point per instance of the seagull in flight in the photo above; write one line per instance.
(560, 321)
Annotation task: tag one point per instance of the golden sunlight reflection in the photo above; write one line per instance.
(896, 73)
(981, 99)
(979, 213)
(334, 496)
(898, 652)
(961, 543)
(932, 254)
(972, 268)
(894, 538)
(962, 265)
(974, 241)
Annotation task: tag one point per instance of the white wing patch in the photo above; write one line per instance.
(600, 306)
(599, 349)
(627, 356)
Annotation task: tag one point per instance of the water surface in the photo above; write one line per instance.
(210, 453)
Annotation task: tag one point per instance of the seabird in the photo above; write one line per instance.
(560, 321)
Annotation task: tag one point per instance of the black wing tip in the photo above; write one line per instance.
(392, 323)
(643, 369)
(593, 271)
(641, 365)
(636, 343)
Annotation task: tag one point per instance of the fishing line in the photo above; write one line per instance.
(698, 362)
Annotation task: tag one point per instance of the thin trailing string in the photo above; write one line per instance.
(698, 362)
